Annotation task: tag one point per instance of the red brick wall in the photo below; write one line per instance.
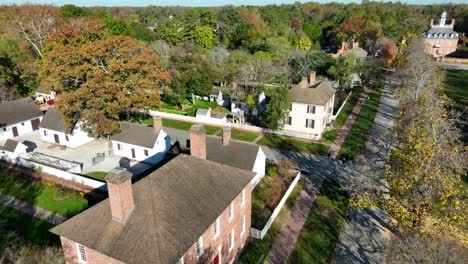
(70, 252)
(447, 46)
(211, 244)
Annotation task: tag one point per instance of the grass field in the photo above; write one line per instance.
(256, 248)
(43, 194)
(456, 87)
(243, 135)
(357, 138)
(293, 144)
(320, 233)
(348, 107)
(98, 175)
(210, 130)
(329, 137)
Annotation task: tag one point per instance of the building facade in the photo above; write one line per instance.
(440, 39)
(18, 117)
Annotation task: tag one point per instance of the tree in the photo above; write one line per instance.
(202, 37)
(219, 58)
(343, 69)
(97, 80)
(351, 28)
(277, 108)
(71, 11)
(302, 63)
(33, 23)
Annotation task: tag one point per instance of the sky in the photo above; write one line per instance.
(199, 2)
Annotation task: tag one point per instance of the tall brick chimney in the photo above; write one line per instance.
(312, 77)
(226, 135)
(355, 44)
(304, 83)
(452, 25)
(157, 123)
(198, 141)
(432, 23)
(120, 191)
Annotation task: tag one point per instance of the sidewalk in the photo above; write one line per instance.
(286, 239)
(31, 210)
(344, 131)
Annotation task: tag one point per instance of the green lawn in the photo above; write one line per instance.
(348, 107)
(98, 175)
(257, 248)
(210, 130)
(192, 110)
(44, 194)
(456, 87)
(243, 135)
(357, 138)
(329, 137)
(320, 233)
(26, 228)
(293, 144)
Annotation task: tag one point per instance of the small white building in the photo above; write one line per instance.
(53, 130)
(311, 107)
(217, 95)
(141, 142)
(43, 94)
(18, 117)
(206, 115)
(14, 149)
(261, 106)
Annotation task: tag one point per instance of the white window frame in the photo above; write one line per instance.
(181, 260)
(200, 247)
(45, 133)
(218, 253)
(231, 241)
(231, 211)
(242, 225)
(216, 228)
(243, 198)
(80, 259)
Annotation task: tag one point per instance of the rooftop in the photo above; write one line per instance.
(53, 120)
(18, 111)
(10, 145)
(174, 206)
(318, 93)
(137, 134)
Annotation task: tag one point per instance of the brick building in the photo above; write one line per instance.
(190, 210)
(441, 39)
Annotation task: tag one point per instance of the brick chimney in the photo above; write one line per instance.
(355, 44)
(226, 135)
(198, 141)
(432, 23)
(452, 25)
(120, 191)
(312, 77)
(304, 83)
(157, 123)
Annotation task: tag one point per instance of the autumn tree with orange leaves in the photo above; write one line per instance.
(98, 76)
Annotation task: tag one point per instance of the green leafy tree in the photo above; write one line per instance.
(203, 37)
(277, 108)
(343, 69)
(71, 11)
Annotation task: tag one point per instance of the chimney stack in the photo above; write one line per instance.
(226, 135)
(432, 23)
(355, 44)
(120, 191)
(304, 83)
(312, 77)
(198, 141)
(452, 25)
(157, 123)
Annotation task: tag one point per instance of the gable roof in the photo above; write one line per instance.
(10, 145)
(215, 91)
(17, 111)
(318, 94)
(437, 32)
(235, 154)
(136, 134)
(53, 120)
(174, 206)
(358, 52)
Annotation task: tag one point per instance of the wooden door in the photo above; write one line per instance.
(216, 259)
(133, 153)
(15, 131)
(35, 124)
(56, 138)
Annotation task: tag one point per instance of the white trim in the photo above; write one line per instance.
(181, 260)
(216, 228)
(242, 225)
(231, 211)
(231, 246)
(200, 247)
(218, 253)
(80, 259)
(243, 198)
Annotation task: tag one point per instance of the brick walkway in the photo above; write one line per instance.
(285, 240)
(344, 131)
(31, 210)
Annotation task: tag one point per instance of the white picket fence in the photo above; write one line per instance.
(342, 105)
(260, 234)
(23, 161)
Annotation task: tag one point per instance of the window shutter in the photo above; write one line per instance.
(313, 109)
(308, 108)
(313, 123)
(307, 122)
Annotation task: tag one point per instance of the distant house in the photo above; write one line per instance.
(225, 151)
(311, 106)
(18, 117)
(43, 94)
(13, 148)
(440, 39)
(261, 106)
(152, 26)
(141, 142)
(190, 210)
(206, 115)
(217, 95)
(359, 53)
(53, 130)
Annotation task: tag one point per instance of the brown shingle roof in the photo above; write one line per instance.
(317, 94)
(173, 207)
(10, 145)
(53, 120)
(17, 111)
(136, 134)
